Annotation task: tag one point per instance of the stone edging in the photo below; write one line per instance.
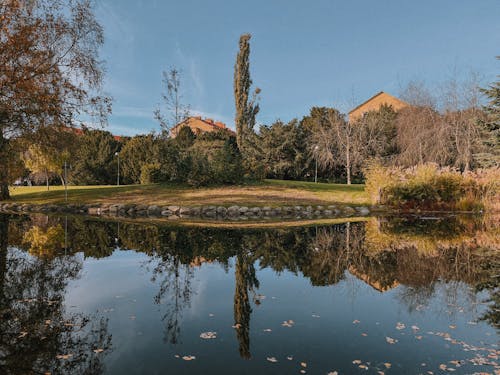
(209, 212)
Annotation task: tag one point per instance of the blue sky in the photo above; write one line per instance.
(304, 53)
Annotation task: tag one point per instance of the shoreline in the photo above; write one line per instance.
(223, 214)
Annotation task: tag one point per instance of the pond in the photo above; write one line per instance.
(393, 295)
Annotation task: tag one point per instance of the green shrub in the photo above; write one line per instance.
(199, 173)
(150, 173)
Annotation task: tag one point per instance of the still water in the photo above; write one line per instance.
(387, 295)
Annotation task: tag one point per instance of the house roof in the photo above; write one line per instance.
(373, 97)
(207, 121)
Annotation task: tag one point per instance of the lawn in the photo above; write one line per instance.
(265, 193)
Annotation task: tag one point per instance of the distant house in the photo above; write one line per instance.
(374, 104)
(200, 125)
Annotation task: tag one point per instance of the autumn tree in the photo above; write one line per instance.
(462, 115)
(337, 142)
(246, 103)
(50, 72)
(422, 135)
(45, 160)
(172, 97)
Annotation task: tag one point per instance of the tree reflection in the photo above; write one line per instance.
(246, 282)
(38, 335)
(175, 293)
(410, 254)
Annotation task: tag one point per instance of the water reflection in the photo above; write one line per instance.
(38, 335)
(416, 256)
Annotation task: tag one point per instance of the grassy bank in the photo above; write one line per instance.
(265, 193)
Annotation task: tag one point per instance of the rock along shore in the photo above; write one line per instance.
(173, 212)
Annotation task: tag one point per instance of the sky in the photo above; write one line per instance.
(303, 53)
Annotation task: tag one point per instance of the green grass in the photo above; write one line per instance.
(265, 193)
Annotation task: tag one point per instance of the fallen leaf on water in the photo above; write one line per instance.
(442, 367)
(356, 321)
(415, 328)
(64, 356)
(100, 350)
(237, 326)
(208, 335)
(400, 326)
(380, 373)
(177, 356)
(303, 364)
(364, 334)
(356, 361)
(333, 373)
(363, 367)
(452, 326)
(267, 330)
(390, 340)
(289, 358)
(189, 357)
(272, 359)
(418, 337)
(302, 371)
(387, 365)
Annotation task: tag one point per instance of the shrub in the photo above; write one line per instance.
(150, 173)
(430, 187)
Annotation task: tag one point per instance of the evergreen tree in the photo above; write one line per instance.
(95, 161)
(492, 125)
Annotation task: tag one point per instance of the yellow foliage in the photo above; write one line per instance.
(44, 243)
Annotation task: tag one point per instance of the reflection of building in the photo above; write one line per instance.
(370, 281)
(374, 104)
(198, 261)
(199, 125)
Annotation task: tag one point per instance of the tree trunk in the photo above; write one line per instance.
(47, 178)
(4, 228)
(348, 164)
(62, 180)
(4, 172)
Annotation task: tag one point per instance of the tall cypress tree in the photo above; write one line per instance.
(246, 107)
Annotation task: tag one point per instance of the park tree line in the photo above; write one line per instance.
(454, 129)
(51, 78)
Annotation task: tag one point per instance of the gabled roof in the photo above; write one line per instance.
(373, 97)
(207, 121)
